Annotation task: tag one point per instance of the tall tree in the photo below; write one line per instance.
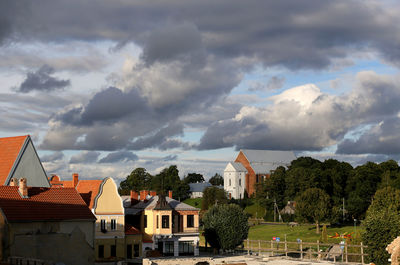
(138, 180)
(213, 195)
(225, 226)
(217, 180)
(194, 178)
(313, 205)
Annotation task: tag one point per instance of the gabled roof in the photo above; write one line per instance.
(43, 204)
(268, 156)
(199, 187)
(151, 205)
(89, 189)
(238, 166)
(10, 149)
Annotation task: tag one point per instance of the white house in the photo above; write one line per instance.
(234, 180)
(196, 189)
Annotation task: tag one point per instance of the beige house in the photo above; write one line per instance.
(49, 224)
(113, 240)
(169, 226)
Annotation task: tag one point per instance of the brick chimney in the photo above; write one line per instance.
(170, 194)
(142, 195)
(23, 188)
(75, 179)
(14, 182)
(134, 197)
(153, 193)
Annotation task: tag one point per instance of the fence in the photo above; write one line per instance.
(307, 250)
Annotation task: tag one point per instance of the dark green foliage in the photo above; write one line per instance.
(217, 180)
(212, 195)
(313, 205)
(225, 226)
(193, 178)
(382, 224)
(305, 162)
(361, 187)
(138, 180)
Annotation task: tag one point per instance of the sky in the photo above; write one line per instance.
(104, 87)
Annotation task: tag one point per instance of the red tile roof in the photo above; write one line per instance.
(89, 189)
(10, 148)
(130, 230)
(49, 204)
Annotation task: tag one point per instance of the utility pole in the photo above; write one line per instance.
(274, 211)
(343, 210)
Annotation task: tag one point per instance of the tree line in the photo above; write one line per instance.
(338, 181)
(168, 179)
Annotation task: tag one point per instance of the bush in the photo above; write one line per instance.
(382, 224)
(225, 226)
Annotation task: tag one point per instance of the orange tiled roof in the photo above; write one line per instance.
(43, 204)
(10, 148)
(89, 189)
(130, 230)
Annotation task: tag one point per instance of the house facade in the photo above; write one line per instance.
(259, 164)
(196, 189)
(49, 224)
(19, 159)
(113, 240)
(167, 225)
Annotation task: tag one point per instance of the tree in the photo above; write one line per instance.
(225, 226)
(217, 180)
(166, 180)
(194, 178)
(382, 224)
(313, 205)
(138, 180)
(212, 195)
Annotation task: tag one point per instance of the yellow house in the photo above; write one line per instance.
(169, 226)
(113, 240)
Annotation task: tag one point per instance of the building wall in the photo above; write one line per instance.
(196, 194)
(149, 230)
(3, 239)
(234, 182)
(134, 240)
(157, 215)
(250, 176)
(51, 241)
(30, 167)
(107, 243)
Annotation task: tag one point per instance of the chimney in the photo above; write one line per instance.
(75, 179)
(153, 193)
(170, 194)
(14, 182)
(134, 197)
(23, 188)
(142, 196)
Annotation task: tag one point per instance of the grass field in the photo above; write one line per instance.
(194, 202)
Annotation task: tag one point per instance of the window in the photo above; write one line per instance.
(186, 247)
(229, 182)
(157, 221)
(190, 220)
(113, 224)
(145, 221)
(240, 182)
(128, 251)
(103, 224)
(113, 250)
(101, 251)
(136, 250)
(169, 248)
(165, 221)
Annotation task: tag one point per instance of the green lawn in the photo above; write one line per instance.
(255, 210)
(304, 232)
(194, 202)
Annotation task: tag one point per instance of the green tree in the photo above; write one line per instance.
(217, 180)
(225, 226)
(212, 195)
(166, 180)
(382, 224)
(313, 205)
(138, 180)
(194, 178)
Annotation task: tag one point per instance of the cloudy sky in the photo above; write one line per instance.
(105, 86)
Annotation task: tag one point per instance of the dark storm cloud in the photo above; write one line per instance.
(41, 80)
(119, 157)
(295, 34)
(52, 157)
(84, 157)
